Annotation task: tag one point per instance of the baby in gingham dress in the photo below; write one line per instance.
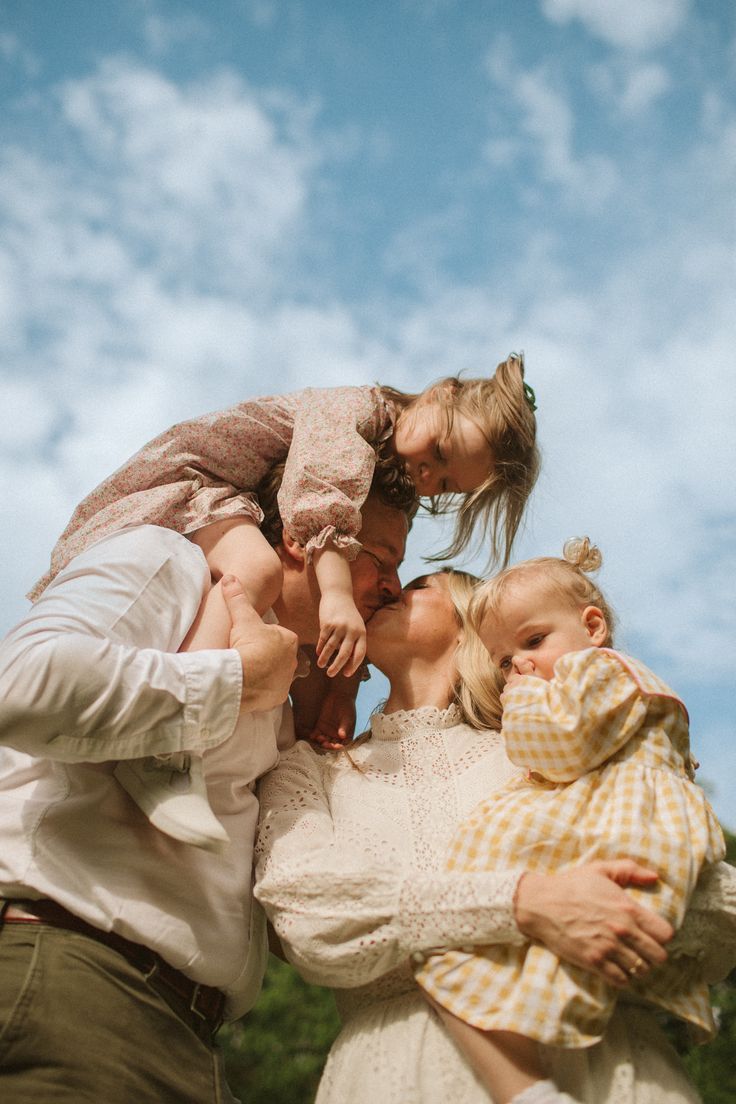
(608, 774)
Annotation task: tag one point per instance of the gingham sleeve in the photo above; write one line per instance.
(330, 465)
(570, 725)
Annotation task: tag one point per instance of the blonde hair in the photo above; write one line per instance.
(502, 409)
(567, 576)
(474, 691)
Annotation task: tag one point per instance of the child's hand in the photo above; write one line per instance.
(336, 722)
(341, 641)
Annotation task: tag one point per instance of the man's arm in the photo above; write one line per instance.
(76, 684)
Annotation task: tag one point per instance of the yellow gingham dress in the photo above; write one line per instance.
(207, 469)
(606, 748)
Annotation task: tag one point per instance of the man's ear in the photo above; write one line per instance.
(292, 548)
(595, 625)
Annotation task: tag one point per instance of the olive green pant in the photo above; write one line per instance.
(80, 1023)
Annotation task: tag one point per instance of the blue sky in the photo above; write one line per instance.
(205, 202)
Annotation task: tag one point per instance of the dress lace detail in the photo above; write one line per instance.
(392, 726)
(350, 869)
(351, 861)
(708, 933)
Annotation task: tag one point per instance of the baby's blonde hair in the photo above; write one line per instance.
(568, 576)
(502, 408)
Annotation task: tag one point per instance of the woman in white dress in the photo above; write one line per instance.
(351, 872)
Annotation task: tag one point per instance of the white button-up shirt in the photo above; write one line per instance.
(92, 676)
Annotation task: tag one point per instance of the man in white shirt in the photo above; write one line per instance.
(121, 949)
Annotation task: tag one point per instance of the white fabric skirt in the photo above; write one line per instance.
(395, 1051)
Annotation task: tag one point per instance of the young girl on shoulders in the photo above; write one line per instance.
(608, 775)
(467, 445)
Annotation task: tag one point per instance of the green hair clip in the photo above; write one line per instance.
(530, 397)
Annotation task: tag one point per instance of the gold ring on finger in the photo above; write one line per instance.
(635, 968)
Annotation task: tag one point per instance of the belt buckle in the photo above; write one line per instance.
(193, 1002)
(213, 1018)
(151, 971)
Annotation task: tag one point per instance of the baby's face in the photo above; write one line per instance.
(534, 627)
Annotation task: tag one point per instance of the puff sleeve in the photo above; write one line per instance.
(331, 463)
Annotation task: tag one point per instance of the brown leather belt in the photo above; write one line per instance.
(205, 1004)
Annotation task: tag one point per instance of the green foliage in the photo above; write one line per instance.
(275, 1054)
(713, 1067)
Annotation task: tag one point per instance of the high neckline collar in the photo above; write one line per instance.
(390, 726)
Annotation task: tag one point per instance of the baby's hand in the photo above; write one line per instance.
(512, 680)
(342, 634)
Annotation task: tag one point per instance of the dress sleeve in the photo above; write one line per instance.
(345, 919)
(330, 465)
(75, 684)
(573, 723)
(708, 931)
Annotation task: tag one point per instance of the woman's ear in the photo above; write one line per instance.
(595, 625)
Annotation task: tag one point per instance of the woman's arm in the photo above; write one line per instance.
(708, 931)
(345, 919)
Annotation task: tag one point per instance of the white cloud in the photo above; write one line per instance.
(632, 88)
(631, 24)
(27, 415)
(206, 175)
(545, 133)
(13, 52)
(125, 335)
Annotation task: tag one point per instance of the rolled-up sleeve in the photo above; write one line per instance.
(75, 684)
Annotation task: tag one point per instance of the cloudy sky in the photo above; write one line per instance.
(201, 202)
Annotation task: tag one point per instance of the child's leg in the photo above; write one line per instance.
(171, 789)
(235, 547)
(508, 1064)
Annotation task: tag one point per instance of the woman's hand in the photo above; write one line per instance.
(586, 918)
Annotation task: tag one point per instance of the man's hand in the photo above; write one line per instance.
(585, 918)
(267, 652)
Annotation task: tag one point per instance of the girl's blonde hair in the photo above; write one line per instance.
(502, 407)
(567, 576)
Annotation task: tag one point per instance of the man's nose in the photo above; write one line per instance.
(389, 584)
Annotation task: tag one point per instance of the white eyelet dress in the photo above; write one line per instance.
(351, 870)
